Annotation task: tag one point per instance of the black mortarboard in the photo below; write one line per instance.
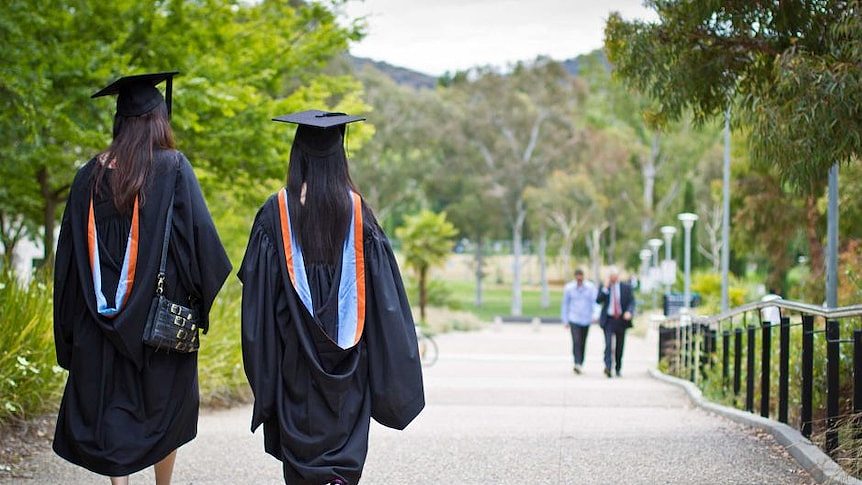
(314, 132)
(137, 95)
(318, 119)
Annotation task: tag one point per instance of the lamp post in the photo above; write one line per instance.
(687, 219)
(654, 244)
(668, 268)
(655, 272)
(645, 256)
(668, 233)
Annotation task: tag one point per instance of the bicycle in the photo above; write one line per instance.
(427, 348)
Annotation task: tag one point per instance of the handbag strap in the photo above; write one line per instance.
(160, 283)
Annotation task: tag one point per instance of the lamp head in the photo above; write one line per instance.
(687, 219)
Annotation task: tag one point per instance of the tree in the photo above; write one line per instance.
(241, 63)
(426, 240)
(566, 203)
(776, 62)
(518, 123)
(393, 165)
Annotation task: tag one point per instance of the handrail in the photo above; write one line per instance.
(692, 343)
(828, 313)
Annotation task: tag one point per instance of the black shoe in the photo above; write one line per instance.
(577, 369)
(608, 372)
(618, 373)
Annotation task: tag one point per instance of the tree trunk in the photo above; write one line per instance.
(480, 271)
(648, 170)
(517, 249)
(612, 243)
(593, 244)
(10, 234)
(566, 254)
(543, 269)
(423, 293)
(49, 216)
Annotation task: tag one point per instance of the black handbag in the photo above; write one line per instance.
(170, 326)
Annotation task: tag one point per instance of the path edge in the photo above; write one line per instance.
(817, 463)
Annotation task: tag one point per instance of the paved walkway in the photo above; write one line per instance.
(505, 408)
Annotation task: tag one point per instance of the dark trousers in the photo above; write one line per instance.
(615, 339)
(579, 341)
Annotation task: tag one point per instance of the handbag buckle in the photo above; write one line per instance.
(160, 284)
(181, 346)
(181, 333)
(179, 321)
(175, 309)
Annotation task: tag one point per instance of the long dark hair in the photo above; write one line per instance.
(325, 217)
(135, 139)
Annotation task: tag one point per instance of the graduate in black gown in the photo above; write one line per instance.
(127, 406)
(327, 333)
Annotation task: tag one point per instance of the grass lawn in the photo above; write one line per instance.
(498, 300)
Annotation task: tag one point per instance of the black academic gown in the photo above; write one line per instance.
(314, 399)
(126, 406)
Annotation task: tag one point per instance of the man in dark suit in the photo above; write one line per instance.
(618, 308)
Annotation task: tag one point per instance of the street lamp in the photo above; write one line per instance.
(668, 233)
(654, 244)
(645, 256)
(668, 266)
(687, 219)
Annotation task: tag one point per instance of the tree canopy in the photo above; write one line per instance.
(792, 70)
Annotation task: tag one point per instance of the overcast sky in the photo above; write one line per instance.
(433, 36)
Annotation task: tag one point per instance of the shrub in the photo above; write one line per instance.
(30, 379)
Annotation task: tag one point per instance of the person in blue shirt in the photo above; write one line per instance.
(579, 298)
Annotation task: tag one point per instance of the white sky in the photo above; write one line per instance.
(433, 36)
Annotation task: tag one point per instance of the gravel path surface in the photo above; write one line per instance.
(505, 408)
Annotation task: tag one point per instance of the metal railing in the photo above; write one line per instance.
(690, 345)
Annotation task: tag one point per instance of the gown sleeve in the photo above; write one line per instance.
(394, 367)
(68, 297)
(207, 266)
(264, 311)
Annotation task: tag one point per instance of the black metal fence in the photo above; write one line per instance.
(706, 349)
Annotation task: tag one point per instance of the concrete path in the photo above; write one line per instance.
(505, 408)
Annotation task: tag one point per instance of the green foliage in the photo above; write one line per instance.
(241, 64)
(792, 69)
(222, 379)
(708, 285)
(439, 294)
(30, 379)
(426, 239)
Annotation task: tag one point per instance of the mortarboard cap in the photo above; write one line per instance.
(318, 119)
(313, 133)
(137, 95)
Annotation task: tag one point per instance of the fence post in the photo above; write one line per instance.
(697, 341)
(833, 354)
(725, 361)
(857, 371)
(737, 360)
(678, 346)
(807, 373)
(765, 367)
(749, 370)
(783, 369)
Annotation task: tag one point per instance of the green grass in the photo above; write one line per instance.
(30, 380)
(497, 300)
(220, 372)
